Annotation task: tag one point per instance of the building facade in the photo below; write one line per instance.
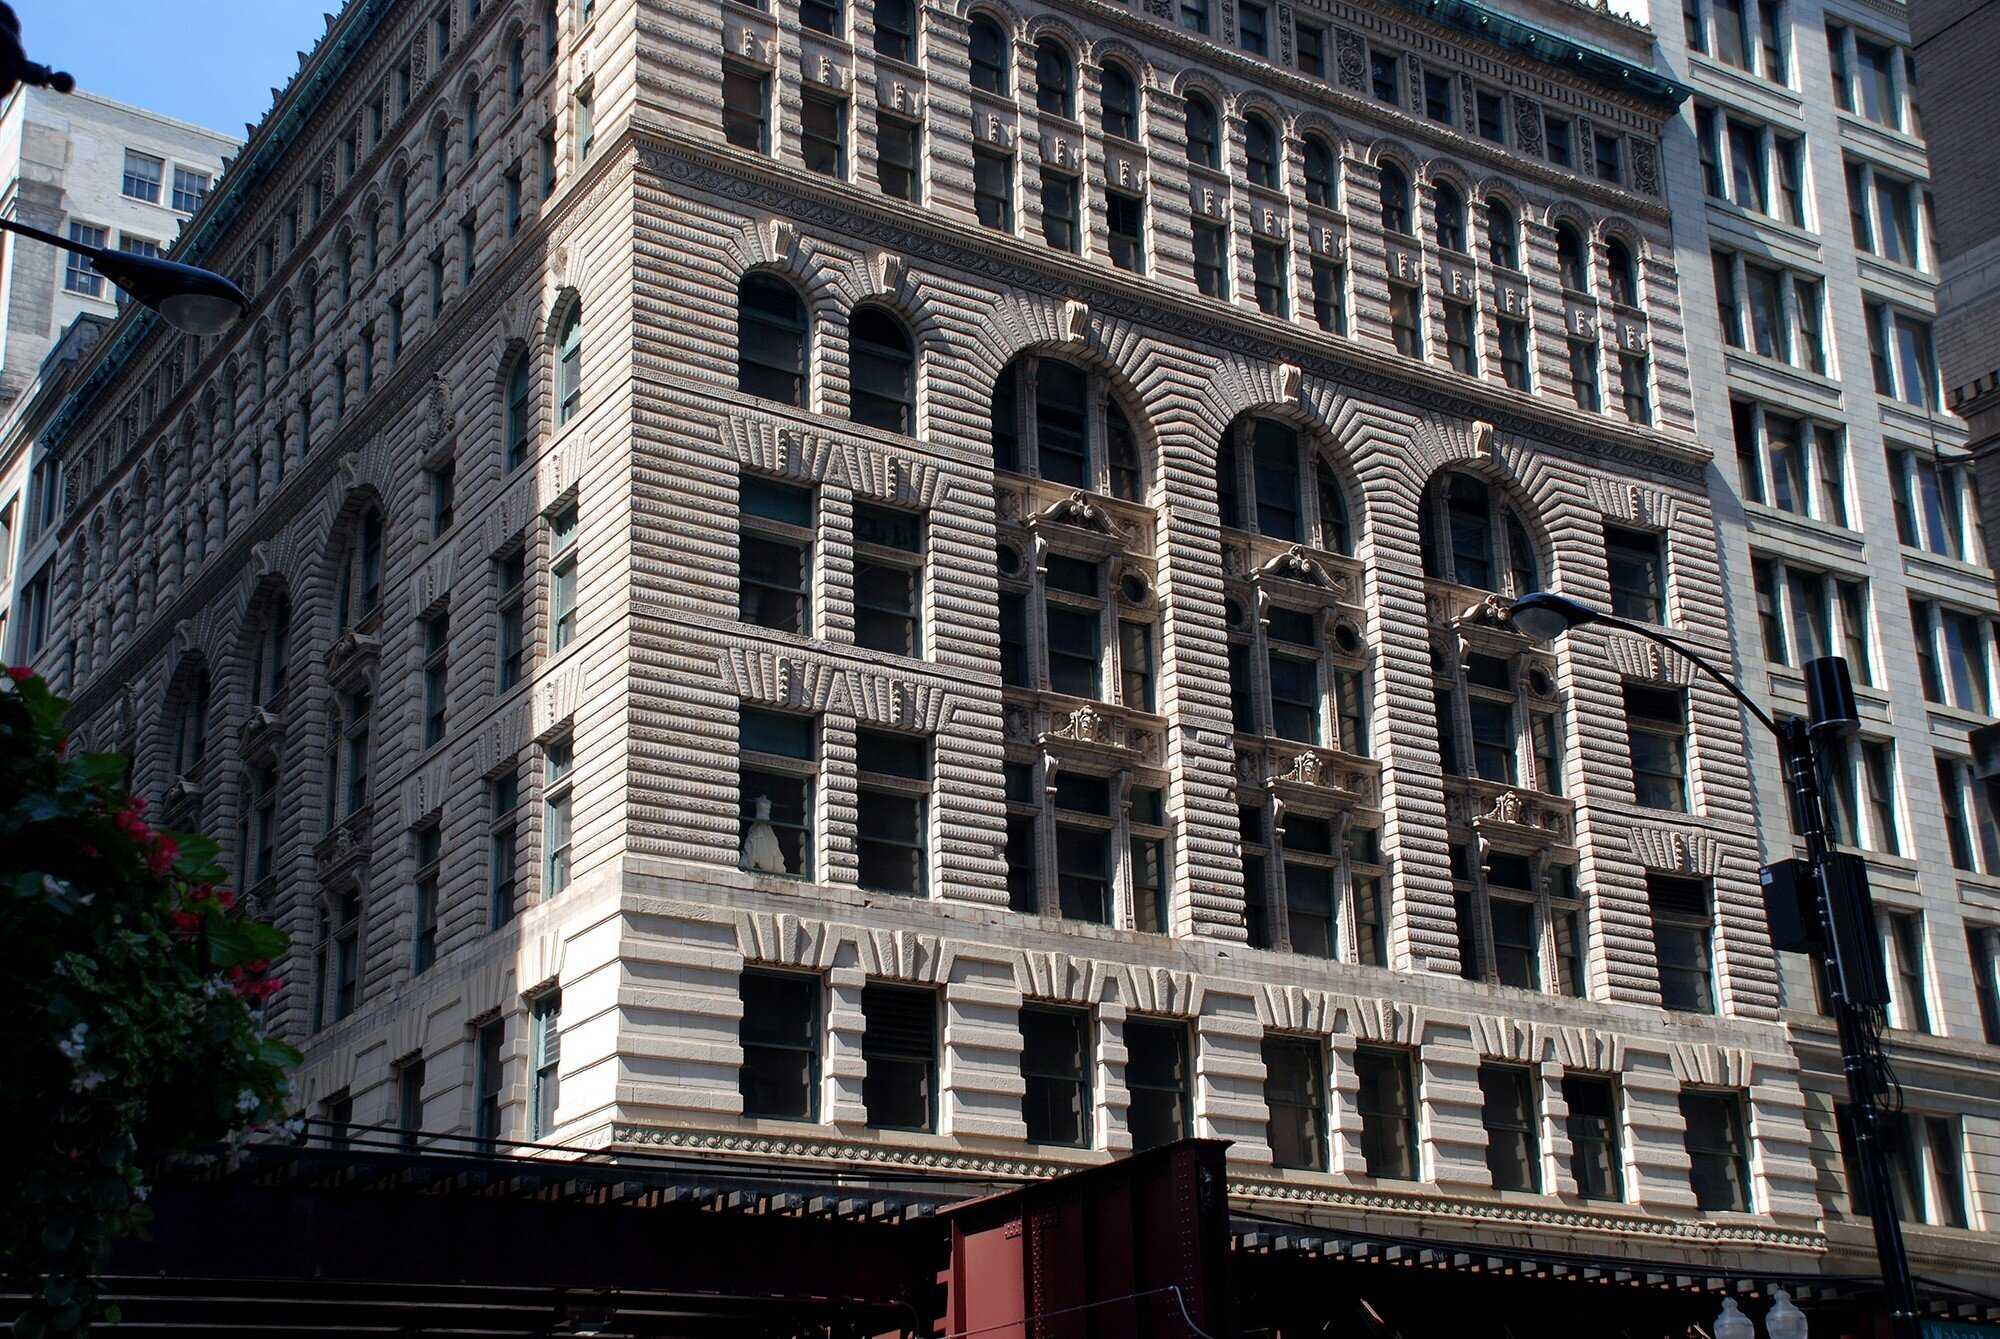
(917, 586)
(1801, 191)
(105, 174)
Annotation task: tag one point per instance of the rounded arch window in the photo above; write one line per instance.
(1120, 102)
(1572, 263)
(1204, 132)
(770, 339)
(358, 589)
(471, 123)
(1059, 421)
(569, 364)
(191, 722)
(1319, 172)
(1503, 236)
(1055, 79)
(1395, 199)
(271, 656)
(1260, 150)
(1475, 537)
(1623, 268)
(883, 371)
(990, 65)
(520, 410)
(1448, 216)
(1270, 481)
(896, 30)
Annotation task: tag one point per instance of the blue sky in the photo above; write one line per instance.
(212, 62)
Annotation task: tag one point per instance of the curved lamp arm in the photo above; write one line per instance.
(197, 301)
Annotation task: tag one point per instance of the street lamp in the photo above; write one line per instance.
(1839, 924)
(196, 301)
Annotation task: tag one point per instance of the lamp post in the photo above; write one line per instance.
(199, 302)
(1840, 924)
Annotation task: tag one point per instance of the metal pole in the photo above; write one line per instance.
(1859, 1046)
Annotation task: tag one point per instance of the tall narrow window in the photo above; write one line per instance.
(1638, 568)
(1572, 262)
(1295, 1094)
(1656, 719)
(1055, 79)
(1386, 1102)
(779, 1035)
(898, 156)
(1156, 1077)
(545, 1045)
(746, 101)
(778, 764)
(1319, 162)
(569, 365)
(1597, 1158)
(899, 1056)
(770, 339)
(1260, 151)
(437, 646)
(896, 30)
(1055, 1073)
(1125, 230)
(1448, 217)
(1513, 1143)
(1395, 199)
(510, 576)
(1211, 260)
(1119, 102)
(1683, 923)
(993, 189)
(1718, 1151)
(775, 558)
(503, 853)
(883, 371)
(562, 579)
(823, 134)
(1204, 136)
(1503, 236)
(1270, 264)
(488, 1079)
(891, 833)
(990, 56)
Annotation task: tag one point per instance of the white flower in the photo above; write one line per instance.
(140, 1193)
(72, 1046)
(247, 1102)
(89, 1079)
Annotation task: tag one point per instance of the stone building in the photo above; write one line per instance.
(915, 586)
(1851, 526)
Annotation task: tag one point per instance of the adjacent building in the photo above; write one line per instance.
(918, 587)
(104, 174)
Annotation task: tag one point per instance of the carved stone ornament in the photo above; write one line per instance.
(784, 236)
(1075, 321)
(438, 419)
(1349, 58)
(1087, 725)
(1079, 511)
(890, 270)
(1290, 381)
(1483, 437)
(1294, 564)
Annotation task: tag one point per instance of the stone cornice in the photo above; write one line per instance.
(848, 212)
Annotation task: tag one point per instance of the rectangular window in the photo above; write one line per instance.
(1329, 295)
(1406, 320)
(1638, 569)
(1514, 352)
(1253, 28)
(778, 763)
(1903, 941)
(1073, 628)
(1211, 260)
(410, 1103)
(1295, 1093)
(895, 773)
(1055, 1069)
(746, 98)
(556, 826)
(143, 174)
(888, 580)
(437, 644)
(823, 134)
(1083, 832)
(1597, 1159)
(821, 16)
(1608, 157)
(1513, 1140)
(488, 1076)
(1269, 262)
(78, 275)
(1386, 1103)
(1385, 75)
(1125, 225)
(1461, 337)
(1634, 386)
(562, 579)
(775, 555)
(779, 1034)
(1718, 1151)
(1657, 722)
(190, 190)
(993, 189)
(1683, 923)
(1583, 375)
(510, 573)
(1983, 949)
(897, 156)
(1157, 1079)
(1440, 99)
(1061, 228)
(1312, 49)
(545, 1045)
(899, 1056)
(504, 851)
(1557, 133)
(1491, 110)
(430, 850)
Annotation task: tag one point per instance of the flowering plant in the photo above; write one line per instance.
(136, 1027)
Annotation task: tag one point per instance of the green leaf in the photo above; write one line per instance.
(231, 943)
(57, 1234)
(102, 769)
(196, 850)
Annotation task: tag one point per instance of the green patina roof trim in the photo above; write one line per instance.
(232, 196)
(1551, 48)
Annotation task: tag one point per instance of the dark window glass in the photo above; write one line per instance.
(1055, 1067)
(1295, 1093)
(1386, 1101)
(1513, 1141)
(1597, 1160)
(1156, 1076)
(899, 1056)
(1718, 1151)
(780, 1039)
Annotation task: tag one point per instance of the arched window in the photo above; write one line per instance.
(549, 34)
(569, 364)
(1271, 482)
(883, 371)
(359, 590)
(1260, 150)
(271, 659)
(1448, 216)
(990, 60)
(1624, 271)
(770, 339)
(1395, 199)
(1055, 79)
(1204, 137)
(1319, 172)
(1120, 102)
(520, 408)
(1571, 262)
(1503, 236)
(517, 69)
(1069, 429)
(1475, 538)
(471, 124)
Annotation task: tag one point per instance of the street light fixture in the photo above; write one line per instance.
(1839, 925)
(196, 301)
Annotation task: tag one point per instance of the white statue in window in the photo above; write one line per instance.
(761, 851)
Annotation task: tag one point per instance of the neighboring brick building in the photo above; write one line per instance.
(912, 586)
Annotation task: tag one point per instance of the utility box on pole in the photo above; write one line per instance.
(1138, 1247)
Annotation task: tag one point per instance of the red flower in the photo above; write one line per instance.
(163, 855)
(226, 898)
(185, 922)
(137, 804)
(20, 673)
